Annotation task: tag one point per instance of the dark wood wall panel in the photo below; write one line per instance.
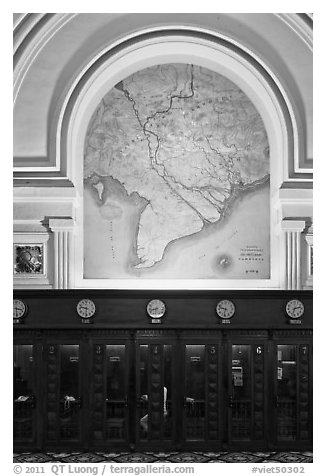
(52, 393)
(212, 393)
(258, 393)
(98, 394)
(304, 415)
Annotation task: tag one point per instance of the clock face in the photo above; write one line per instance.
(19, 308)
(225, 309)
(294, 308)
(86, 308)
(156, 308)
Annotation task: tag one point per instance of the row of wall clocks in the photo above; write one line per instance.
(225, 309)
(156, 309)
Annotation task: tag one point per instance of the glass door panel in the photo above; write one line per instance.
(194, 398)
(24, 393)
(116, 392)
(69, 393)
(240, 399)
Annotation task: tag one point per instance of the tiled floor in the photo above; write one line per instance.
(167, 457)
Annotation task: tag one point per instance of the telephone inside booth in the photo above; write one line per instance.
(237, 376)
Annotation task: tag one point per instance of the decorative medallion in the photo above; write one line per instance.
(28, 259)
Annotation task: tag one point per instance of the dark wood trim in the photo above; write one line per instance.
(191, 310)
(164, 293)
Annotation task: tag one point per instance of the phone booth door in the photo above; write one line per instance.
(64, 395)
(201, 422)
(109, 416)
(246, 397)
(292, 394)
(155, 409)
(25, 400)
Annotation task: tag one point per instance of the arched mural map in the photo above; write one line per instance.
(176, 179)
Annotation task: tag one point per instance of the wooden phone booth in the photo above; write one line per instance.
(110, 375)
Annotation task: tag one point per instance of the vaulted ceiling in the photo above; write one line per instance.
(52, 52)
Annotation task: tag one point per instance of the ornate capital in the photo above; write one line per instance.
(61, 224)
(309, 236)
(293, 230)
(62, 228)
(293, 225)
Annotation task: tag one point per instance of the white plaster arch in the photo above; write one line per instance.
(241, 68)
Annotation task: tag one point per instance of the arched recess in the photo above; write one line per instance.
(178, 46)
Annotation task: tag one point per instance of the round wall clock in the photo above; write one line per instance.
(294, 308)
(225, 309)
(156, 308)
(19, 309)
(86, 308)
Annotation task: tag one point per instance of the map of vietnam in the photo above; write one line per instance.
(182, 141)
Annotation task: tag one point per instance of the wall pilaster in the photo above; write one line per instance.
(292, 230)
(62, 229)
(309, 256)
